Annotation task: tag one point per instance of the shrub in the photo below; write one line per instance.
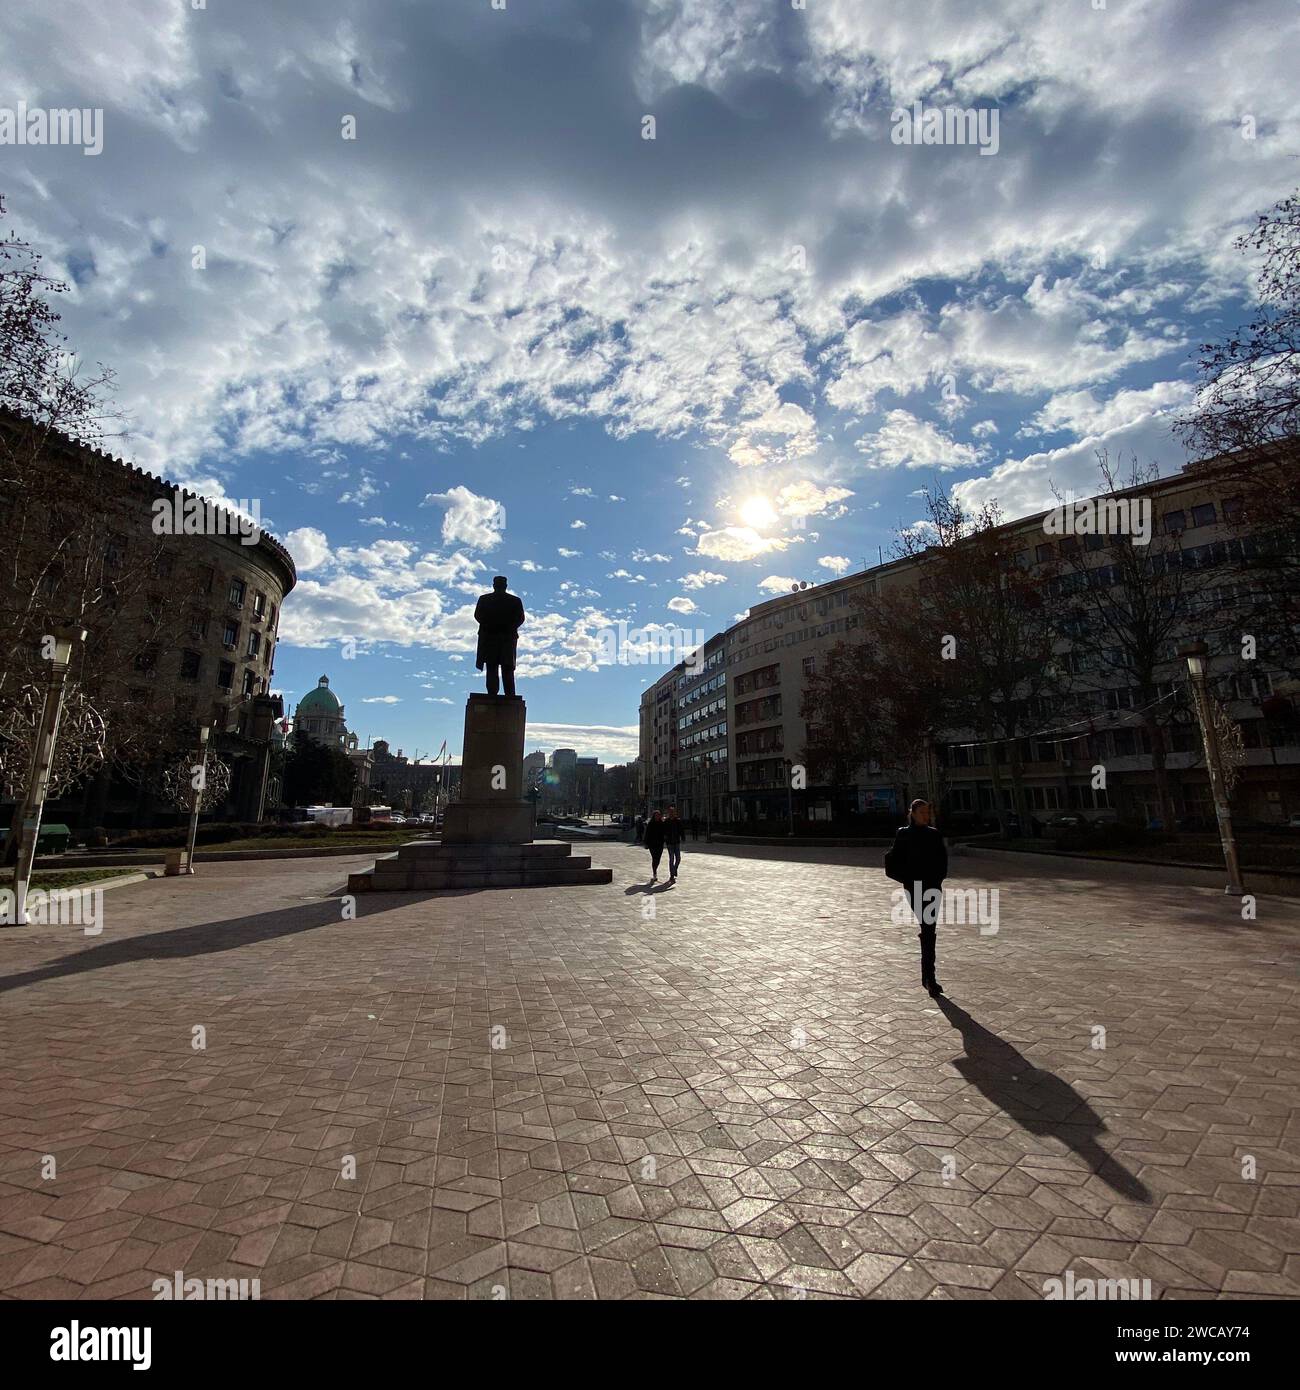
(1111, 835)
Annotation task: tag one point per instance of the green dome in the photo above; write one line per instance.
(321, 701)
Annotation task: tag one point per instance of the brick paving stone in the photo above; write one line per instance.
(549, 1093)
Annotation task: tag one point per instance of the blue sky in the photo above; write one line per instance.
(652, 381)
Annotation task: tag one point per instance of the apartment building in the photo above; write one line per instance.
(749, 687)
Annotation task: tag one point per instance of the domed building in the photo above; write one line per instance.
(319, 716)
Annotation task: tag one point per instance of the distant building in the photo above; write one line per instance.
(396, 780)
(319, 716)
(564, 761)
(534, 767)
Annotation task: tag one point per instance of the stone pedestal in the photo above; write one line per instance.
(487, 836)
(491, 809)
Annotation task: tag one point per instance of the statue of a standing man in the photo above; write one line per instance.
(499, 616)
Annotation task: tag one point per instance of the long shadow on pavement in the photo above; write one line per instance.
(204, 938)
(1037, 1100)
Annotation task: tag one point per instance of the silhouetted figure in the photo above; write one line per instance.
(654, 842)
(499, 616)
(674, 833)
(919, 861)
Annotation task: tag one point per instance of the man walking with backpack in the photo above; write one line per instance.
(919, 862)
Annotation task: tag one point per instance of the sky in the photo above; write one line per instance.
(413, 278)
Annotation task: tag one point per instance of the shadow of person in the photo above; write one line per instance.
(646, 888)
(176, 943)
(1037, 1100)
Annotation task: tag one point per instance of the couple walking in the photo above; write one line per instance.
(663, 830)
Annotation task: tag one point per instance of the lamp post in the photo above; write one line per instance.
(62, 642)
(1196, 654)
(198, 782)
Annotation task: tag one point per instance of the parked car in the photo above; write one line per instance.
(1066, 822)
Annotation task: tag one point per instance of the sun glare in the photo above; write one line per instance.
(757, 512)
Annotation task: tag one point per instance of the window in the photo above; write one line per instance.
(190, 663)
(271, 618)
(254, 643)
(1203, 514)
(1233, 509)
(225, 675)
(259, 605)
(809, 665)
(198, 626)
(250, 682)
(206, 575)
(230, 634)
(237, 590)
(1093, 542)
(146, 658)
(115, 551)
(1043, 553)
(1174, 523)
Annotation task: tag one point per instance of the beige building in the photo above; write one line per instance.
(1092, 720)
(184, 631)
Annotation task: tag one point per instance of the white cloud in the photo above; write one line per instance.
(381, 699)
(778, 584)
(805, 498)
(905, 441)
(737, 543)
(700, 579)
(471, 520)
(1081, 413)
(308, 546)
(837, 563)
(683, 605)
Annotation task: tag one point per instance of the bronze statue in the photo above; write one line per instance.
(499, 616)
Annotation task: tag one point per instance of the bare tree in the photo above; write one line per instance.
(987, 618)
(1122, 608)
(69, 559)
(1248, 409)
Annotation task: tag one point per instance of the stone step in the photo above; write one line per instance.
(433, 851)
(579, 870)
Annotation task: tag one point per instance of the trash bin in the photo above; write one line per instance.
(53, 839)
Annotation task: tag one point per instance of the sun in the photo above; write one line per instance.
(757, 512)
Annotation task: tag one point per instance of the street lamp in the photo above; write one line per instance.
(1196, 654)
(61, 642)
(198, 783)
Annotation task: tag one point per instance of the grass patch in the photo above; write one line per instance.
(72, 878)
(337, 840)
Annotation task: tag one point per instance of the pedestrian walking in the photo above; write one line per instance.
(654, 842)
(919, 861)
(640, 828)
(673, 839)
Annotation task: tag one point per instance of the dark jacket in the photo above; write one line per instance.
(672, 830)
(920, 855)
(499, 617)
(654, 834)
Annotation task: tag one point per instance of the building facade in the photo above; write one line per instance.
(185, 632)
(752, 696)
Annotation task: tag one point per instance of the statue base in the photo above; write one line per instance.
(487, 835)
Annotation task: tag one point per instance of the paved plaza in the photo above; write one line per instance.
(731, 1088)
